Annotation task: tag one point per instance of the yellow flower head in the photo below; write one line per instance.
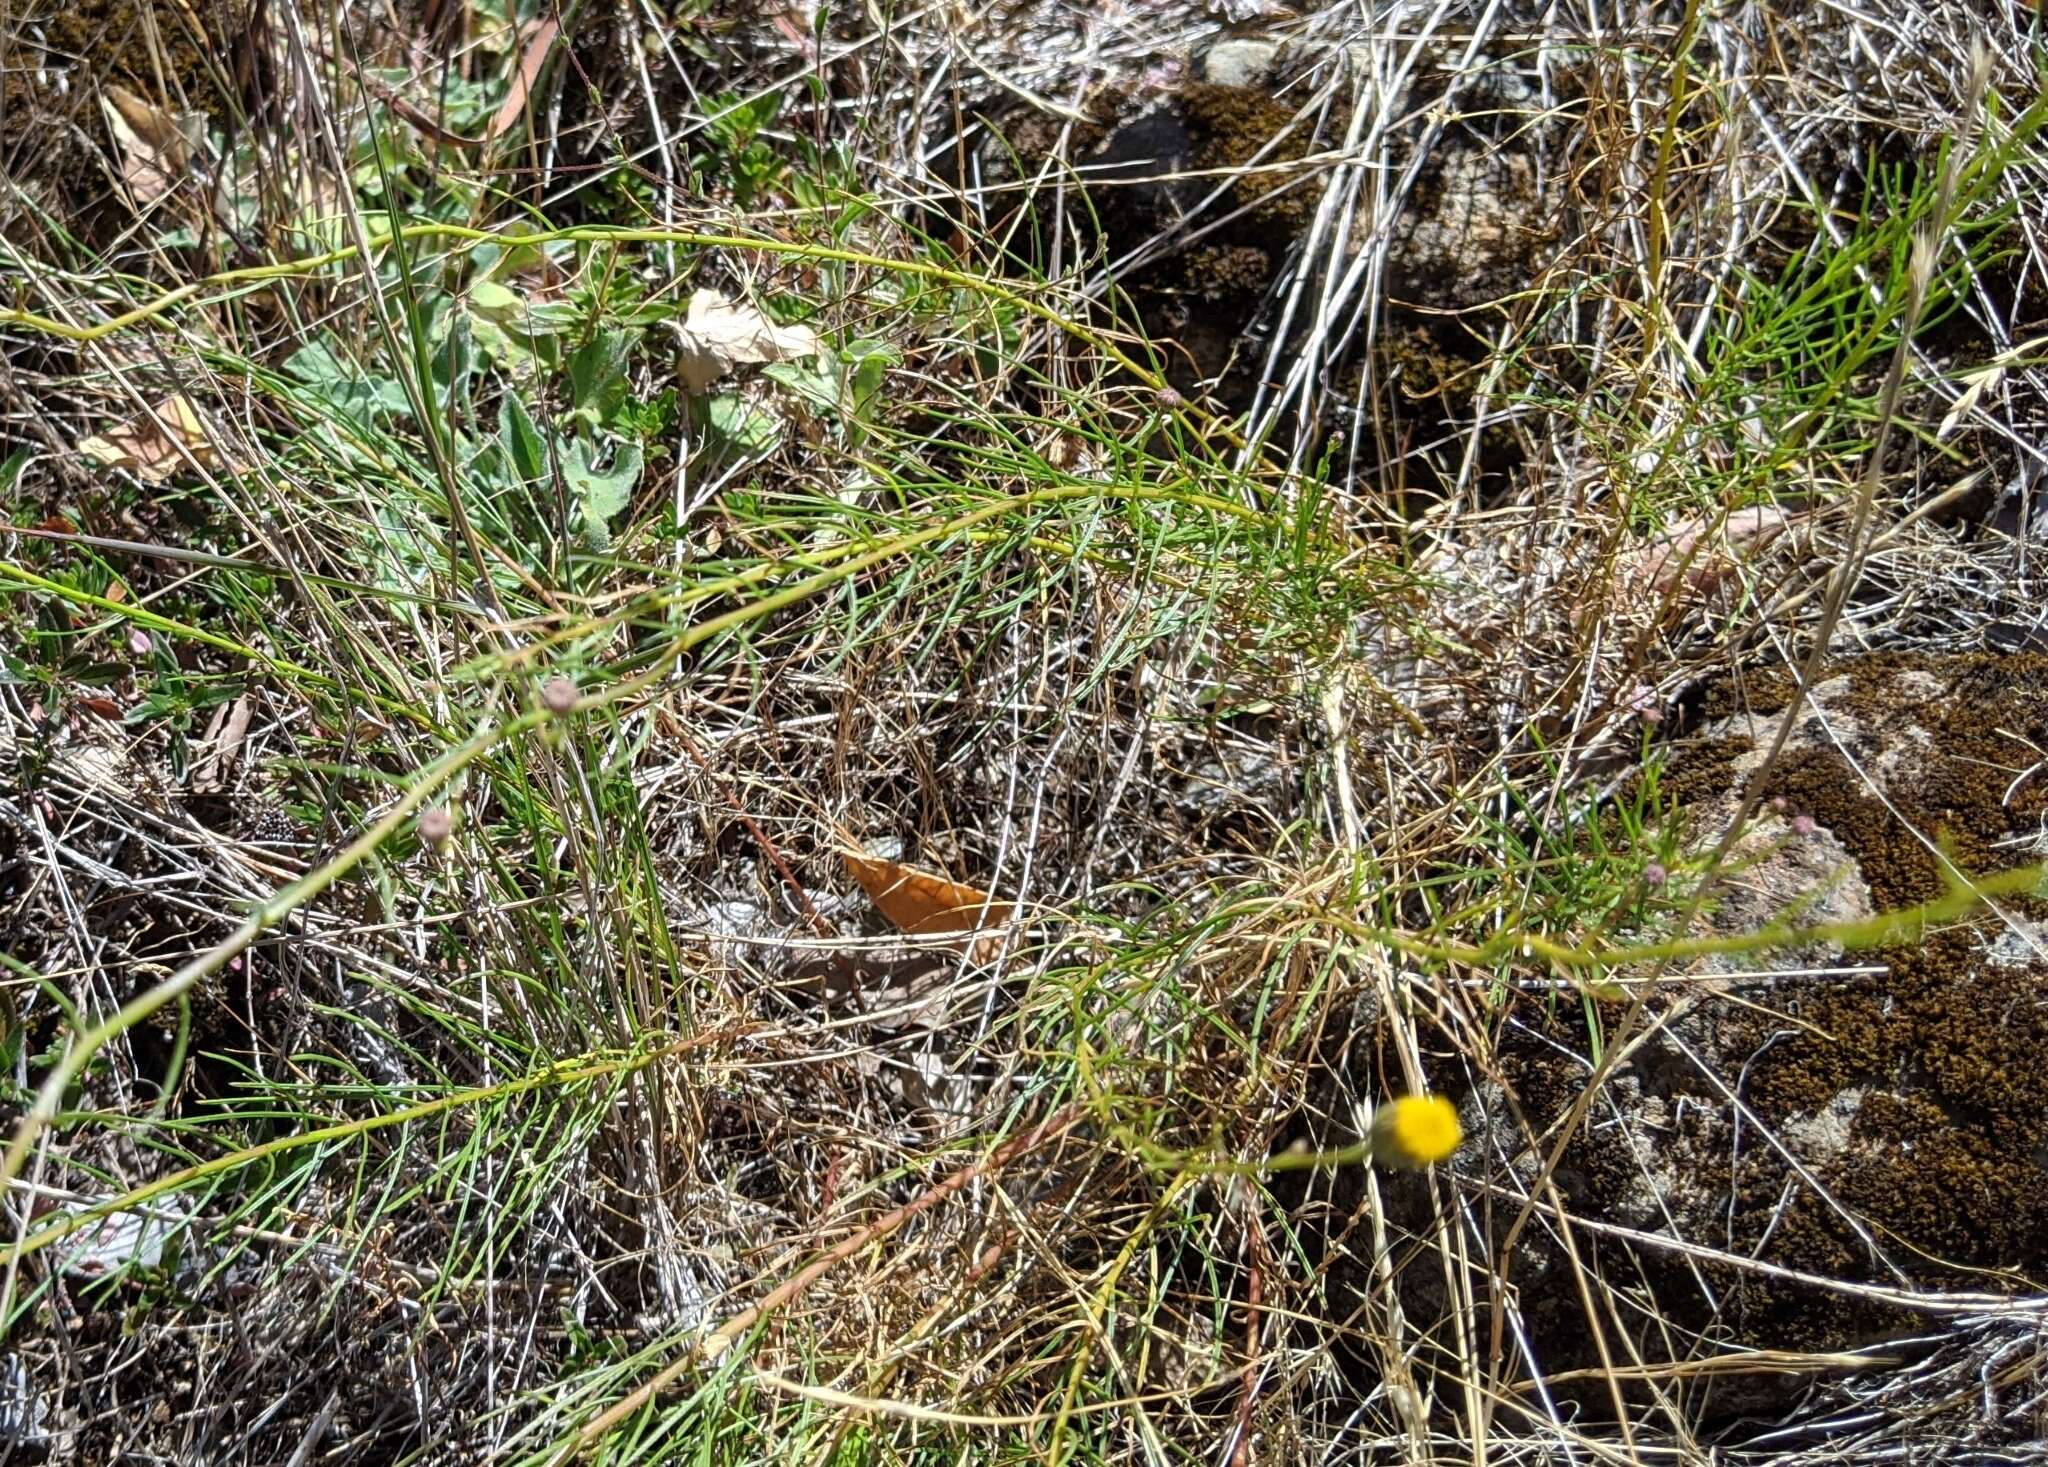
(1415, 1131)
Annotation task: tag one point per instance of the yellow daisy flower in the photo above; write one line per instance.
(1415, 1131)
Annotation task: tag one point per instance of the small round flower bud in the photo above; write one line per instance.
(1169, 399)
(436, 825)
(1804, 825)
(560, 696)
(1655, 875)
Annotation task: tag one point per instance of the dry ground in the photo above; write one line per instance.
(1490, 549)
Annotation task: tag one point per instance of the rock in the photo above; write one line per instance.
(1890, 1123)
(1240, 61)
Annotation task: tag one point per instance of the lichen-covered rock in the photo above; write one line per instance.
(1870, 1118)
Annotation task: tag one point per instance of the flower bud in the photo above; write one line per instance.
(436, 825)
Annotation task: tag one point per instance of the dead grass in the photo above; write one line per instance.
(439, 1022)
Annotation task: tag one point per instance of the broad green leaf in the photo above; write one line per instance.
(868, 362)
(10, 472)
(816, 382)
(346, 387)
(597, 375)
(492, 299)
(525, 449)
(738, 428)
(601, 494)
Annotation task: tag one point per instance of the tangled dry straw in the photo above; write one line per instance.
(609, 1120)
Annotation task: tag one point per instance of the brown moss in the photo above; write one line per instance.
(176, 54)
(1917, 1095)
(1980, 713)
(59, 59)
(1471, 237)
(1146, 168)
(1759, 694)
(1242, 128)
(1951, 1047)
(1707, 768)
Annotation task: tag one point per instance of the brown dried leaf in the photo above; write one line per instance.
(539, 40)
(922, 903)
(719, 334)
(1687, 557)
(155, 445)
(155, 145)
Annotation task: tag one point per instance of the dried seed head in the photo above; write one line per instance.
(1980, 76)
(436, 825)
(1925, 253)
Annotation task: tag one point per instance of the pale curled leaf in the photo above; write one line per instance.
(157, 445)
(1697, 554)
(224, 736)
(719, 334)
(155, 145)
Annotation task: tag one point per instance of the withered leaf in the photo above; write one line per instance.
(922, 903)
(155, 145)
(157, 445)
(537, 39)
(1698, 554)
(720, 334)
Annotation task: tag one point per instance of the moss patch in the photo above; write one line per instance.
(1471, 237)
(157, 50)
(1916, 1097)
(1140, 168)
(1952, 1044)
(177, 57)
(1203, 299)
